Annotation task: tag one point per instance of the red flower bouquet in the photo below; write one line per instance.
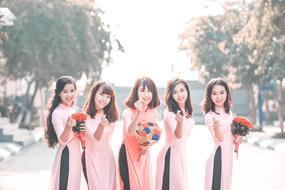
(80, 119)
(240, 127)
(150, 133)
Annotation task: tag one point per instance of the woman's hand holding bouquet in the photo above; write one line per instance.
(79, 126)
(240, 128)
(147, 134)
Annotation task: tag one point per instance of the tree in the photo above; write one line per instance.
(265, 34)
(210, 44)
(55, 38)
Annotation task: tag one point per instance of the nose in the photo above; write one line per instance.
(180, 94)
(70, 94)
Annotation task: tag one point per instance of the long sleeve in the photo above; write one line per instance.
(59, 123)
(209, 122)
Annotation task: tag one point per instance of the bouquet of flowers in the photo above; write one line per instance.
(80, 119)
(150, 133)
(240, 127)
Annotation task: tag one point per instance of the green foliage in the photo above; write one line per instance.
(210, 43)
(265, 34)
(55, 38)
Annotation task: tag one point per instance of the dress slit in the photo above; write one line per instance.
(64, 169)
(217, 171)
(83, 162)
(165, 180)
(124, 171)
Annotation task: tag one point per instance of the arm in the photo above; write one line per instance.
(134, 123)
(218, 132)
(100, 129)
(214, 129)
(62, 128)
(66, 132)
(179, 125)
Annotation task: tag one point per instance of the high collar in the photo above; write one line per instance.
(220, 110)
(65, 106)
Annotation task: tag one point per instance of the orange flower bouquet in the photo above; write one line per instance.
(80, 119)
(240, 127)
(149, 132)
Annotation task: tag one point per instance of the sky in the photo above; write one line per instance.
(149, 30)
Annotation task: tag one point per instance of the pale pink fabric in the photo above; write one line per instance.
(178, 163)
(226, 147)
(59, 119)
(100, 160)
(140, 172)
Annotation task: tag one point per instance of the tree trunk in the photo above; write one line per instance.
(280, 107)
(251, 105)
(26, 102)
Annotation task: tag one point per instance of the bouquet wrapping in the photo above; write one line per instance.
(149, 132)
(80, 119)
(240, 127)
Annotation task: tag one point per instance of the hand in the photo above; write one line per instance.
(216, 124)
(138, 105)
(143, 146)
(104, 121)
(238, 139)
(143, 149)
(82, 127)
(179, 117)
(70, 122)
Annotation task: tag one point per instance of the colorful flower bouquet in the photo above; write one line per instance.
(240, 127)
(80, 119)
(149, 132)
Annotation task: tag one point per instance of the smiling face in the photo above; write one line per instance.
(144, 94)
(101, 99)
(219, 95)
(180, 94)
(68, 94)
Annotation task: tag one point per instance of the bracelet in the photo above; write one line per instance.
(68, 124)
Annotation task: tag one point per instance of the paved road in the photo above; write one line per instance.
(255, 169)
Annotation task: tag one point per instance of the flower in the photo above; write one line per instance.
(80, 119)
(149, 132)
(240, 127)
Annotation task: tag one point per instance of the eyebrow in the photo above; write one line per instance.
(218, 91)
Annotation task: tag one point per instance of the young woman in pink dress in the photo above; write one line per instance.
(218, 118)
(178, 122)
(66, 171)
(134, 158)
(98, 160)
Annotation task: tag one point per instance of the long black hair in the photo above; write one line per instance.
(171, 103)
(50, 134)
(208, 104)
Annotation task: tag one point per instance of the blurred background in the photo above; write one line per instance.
(242, 41)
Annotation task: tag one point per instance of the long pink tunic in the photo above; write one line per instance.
(100, 160)
(226, 149)
(59, 119)
(178, 163)
(140, 171)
